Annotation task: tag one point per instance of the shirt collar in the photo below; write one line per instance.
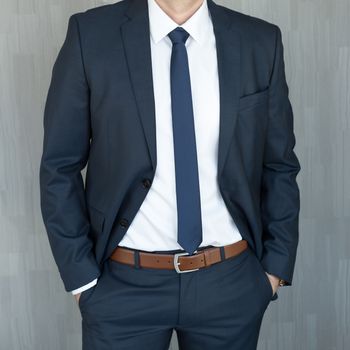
(161, 24)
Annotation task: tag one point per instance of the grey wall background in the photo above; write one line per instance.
(36, 312)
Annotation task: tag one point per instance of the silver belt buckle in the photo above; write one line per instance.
(176, 262)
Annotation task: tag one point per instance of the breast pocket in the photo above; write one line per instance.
(252, 100)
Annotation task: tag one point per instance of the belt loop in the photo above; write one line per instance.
(222, 253)
(137, 259)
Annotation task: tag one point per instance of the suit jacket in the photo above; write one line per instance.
(100, 112)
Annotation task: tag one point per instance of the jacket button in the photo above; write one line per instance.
(124, 222)
(146, 183)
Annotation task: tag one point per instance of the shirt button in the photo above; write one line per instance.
(124, 222)
(146, 183)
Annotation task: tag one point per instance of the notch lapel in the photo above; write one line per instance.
(228, 56)
(136, 40)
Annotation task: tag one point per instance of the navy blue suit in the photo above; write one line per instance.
(100, 112)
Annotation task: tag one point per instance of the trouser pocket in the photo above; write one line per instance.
(85, 295)
(267, 283)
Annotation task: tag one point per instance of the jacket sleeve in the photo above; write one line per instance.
(65, 153)
(280, 202)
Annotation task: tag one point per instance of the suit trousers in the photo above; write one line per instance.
(220, 307)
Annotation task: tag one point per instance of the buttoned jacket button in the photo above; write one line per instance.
(146, 183)
(124, 222)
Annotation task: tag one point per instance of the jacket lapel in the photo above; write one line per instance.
(136, 40)
(228, 56)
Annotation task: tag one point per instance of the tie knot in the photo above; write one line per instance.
(178, 35)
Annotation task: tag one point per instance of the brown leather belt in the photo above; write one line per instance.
(181, 262)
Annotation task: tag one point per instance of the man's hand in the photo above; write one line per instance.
(77, 297)
(274, 280)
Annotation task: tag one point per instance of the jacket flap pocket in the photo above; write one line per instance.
(97, 219)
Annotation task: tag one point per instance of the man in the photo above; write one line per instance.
(189, 215)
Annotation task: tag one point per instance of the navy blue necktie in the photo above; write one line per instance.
(186, 168)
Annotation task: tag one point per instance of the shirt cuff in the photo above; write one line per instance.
(84, 287)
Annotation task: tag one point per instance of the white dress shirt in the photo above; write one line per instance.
(155, 224)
